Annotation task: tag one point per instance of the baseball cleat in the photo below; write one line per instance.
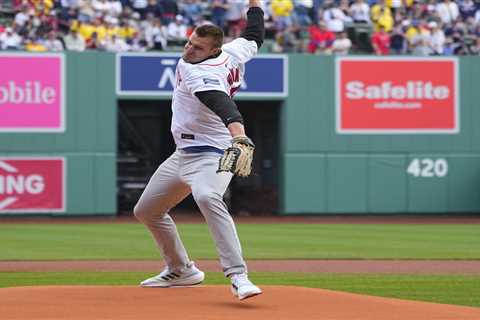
(187, 276)
(242, 288)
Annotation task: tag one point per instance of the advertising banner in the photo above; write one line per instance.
(32, 184)
(32, 95)
(154, 75)
(397, 95)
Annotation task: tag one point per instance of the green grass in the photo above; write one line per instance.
(449, 289)
(263, 241)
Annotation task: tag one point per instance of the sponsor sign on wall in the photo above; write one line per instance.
(154, 75)
(32, 184)
(397, 95)
(32, 95)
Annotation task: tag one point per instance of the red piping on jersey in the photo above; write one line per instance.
(215, 65)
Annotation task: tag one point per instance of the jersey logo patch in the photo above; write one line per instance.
(188, 136)
(211, 81)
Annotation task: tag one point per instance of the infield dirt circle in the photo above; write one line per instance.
(212, 302)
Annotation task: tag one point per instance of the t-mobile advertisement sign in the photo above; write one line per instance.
(32, 95)
(397, 95)
(32, 185)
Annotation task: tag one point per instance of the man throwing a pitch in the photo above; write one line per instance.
(211, 147)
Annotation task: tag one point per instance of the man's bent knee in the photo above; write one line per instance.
(145, 214)
(139, 213)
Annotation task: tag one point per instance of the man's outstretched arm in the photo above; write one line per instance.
(255, 30)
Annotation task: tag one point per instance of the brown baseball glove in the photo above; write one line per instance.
(238, 158)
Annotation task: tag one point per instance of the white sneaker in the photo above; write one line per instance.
(187, 276)
(242, 287)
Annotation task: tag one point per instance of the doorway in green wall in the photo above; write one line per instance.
(145, 141)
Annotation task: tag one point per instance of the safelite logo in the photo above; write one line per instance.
(397, 95)
(32, 185)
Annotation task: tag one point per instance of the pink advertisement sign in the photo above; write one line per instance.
(32, 93)
(34, 184)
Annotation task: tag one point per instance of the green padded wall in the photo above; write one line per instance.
(328, 173)
(89, 141)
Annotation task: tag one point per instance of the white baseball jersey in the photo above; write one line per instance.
(194, 124)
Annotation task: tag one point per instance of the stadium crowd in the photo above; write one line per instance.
(382, 27)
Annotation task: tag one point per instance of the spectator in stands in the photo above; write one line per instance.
(192, 11)
(177, 31)
(137, 43)
(335, 18)
(155, 34)
(169, 9)
(285, 41)
(52, 43)
(74, 41)
(321, 39)
(420, 11)
(112, 27)
(154, 9)
(65, 16)
(34, 44)
(94, 43)
(219, 10)
(459, 47)
(282, 11)
(342, 44)
(22, 17)
(317, 10)
(344, 6)
(139, 6)
(114, 8)
(475, 48)
(86, 12)
(467, 9)
(398, 41)
(382, 16)
(437, 38)
(85, 29)
(235, 17)
(360, 12)
(116, 44)
(381, 41)
(447, 11)
(395, 5)
(10, 40)
(67, 4)
(421, 43)
(101, 7)
(449, 48)
(303, 12)
(410, 30)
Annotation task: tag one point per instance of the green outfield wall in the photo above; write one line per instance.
(88, 143)
(328, 172)
(325, 168)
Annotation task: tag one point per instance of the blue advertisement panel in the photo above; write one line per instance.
(154, 75)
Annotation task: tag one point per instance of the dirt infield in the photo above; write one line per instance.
(213, 302)
(325, 266)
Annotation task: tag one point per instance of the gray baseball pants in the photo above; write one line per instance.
(181, 174)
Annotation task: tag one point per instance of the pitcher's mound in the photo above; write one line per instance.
(212, 302)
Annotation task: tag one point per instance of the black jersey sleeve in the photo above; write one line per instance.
(255, 30)
(221, 104)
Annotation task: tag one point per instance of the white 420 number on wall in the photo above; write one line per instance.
(428, 168)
